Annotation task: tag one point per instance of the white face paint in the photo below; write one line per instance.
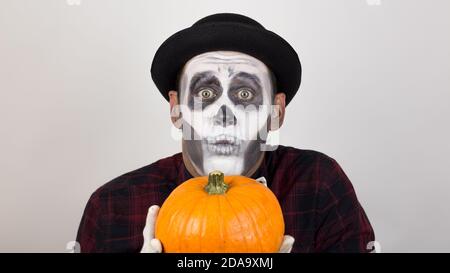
(225, 99)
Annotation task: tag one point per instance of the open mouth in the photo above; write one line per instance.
(223, 144)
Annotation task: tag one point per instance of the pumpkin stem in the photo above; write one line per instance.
(216, 183)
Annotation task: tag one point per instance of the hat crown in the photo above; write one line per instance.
(228, 18)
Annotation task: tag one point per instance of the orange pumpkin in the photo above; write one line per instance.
(220, 214)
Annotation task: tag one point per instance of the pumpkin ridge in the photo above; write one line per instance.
(254, 224)
(239, 220)
(188, 200)
(203, 222)
(168, 217)
(251, 197)
(260, 207)
(222, 230)
(171, 210)
(249, 183)
(172, 227)
(183, 227)
(186, 190)
(174, 215)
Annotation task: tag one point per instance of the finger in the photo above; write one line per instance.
(263, 180)
(149, 229)
(156, 246)
(151, 220)
(287, 244)
(146, 248)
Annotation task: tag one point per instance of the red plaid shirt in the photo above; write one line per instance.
(318, 201)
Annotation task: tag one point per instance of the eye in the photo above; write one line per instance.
(206, 93)
(244, 94)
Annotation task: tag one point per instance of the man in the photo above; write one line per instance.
(228, 81)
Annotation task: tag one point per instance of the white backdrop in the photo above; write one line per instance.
(78, 106)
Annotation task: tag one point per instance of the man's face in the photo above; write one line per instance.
(225, 100)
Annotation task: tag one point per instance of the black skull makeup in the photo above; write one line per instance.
(225, 102)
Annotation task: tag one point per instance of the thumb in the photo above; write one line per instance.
(149, 231)
(287, 244)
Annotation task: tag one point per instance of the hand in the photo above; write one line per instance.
(288, 240)
(151, 244)
(287, 244)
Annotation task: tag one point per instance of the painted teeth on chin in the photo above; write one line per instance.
(213, 140)
(223, 149)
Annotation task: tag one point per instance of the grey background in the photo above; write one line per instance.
(78, 106)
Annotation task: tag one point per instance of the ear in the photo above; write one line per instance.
(277, 115)
(175, 113)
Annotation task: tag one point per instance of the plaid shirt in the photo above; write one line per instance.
(318, 201)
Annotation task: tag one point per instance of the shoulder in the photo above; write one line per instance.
(298, 158)
(147, 176)
(309, 165)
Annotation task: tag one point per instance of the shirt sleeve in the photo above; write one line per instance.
(341, 223)
(89, 234)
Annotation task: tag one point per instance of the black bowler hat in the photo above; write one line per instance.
(227, 31)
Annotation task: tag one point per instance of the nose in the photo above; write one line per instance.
(224, 117)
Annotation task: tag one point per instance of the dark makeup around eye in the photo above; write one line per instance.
(204, 80)
(247, 81)
(241, 80)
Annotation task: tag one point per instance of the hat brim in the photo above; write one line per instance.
(260, 43)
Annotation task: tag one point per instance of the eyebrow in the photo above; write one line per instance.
(248, 76)
(206, 77)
